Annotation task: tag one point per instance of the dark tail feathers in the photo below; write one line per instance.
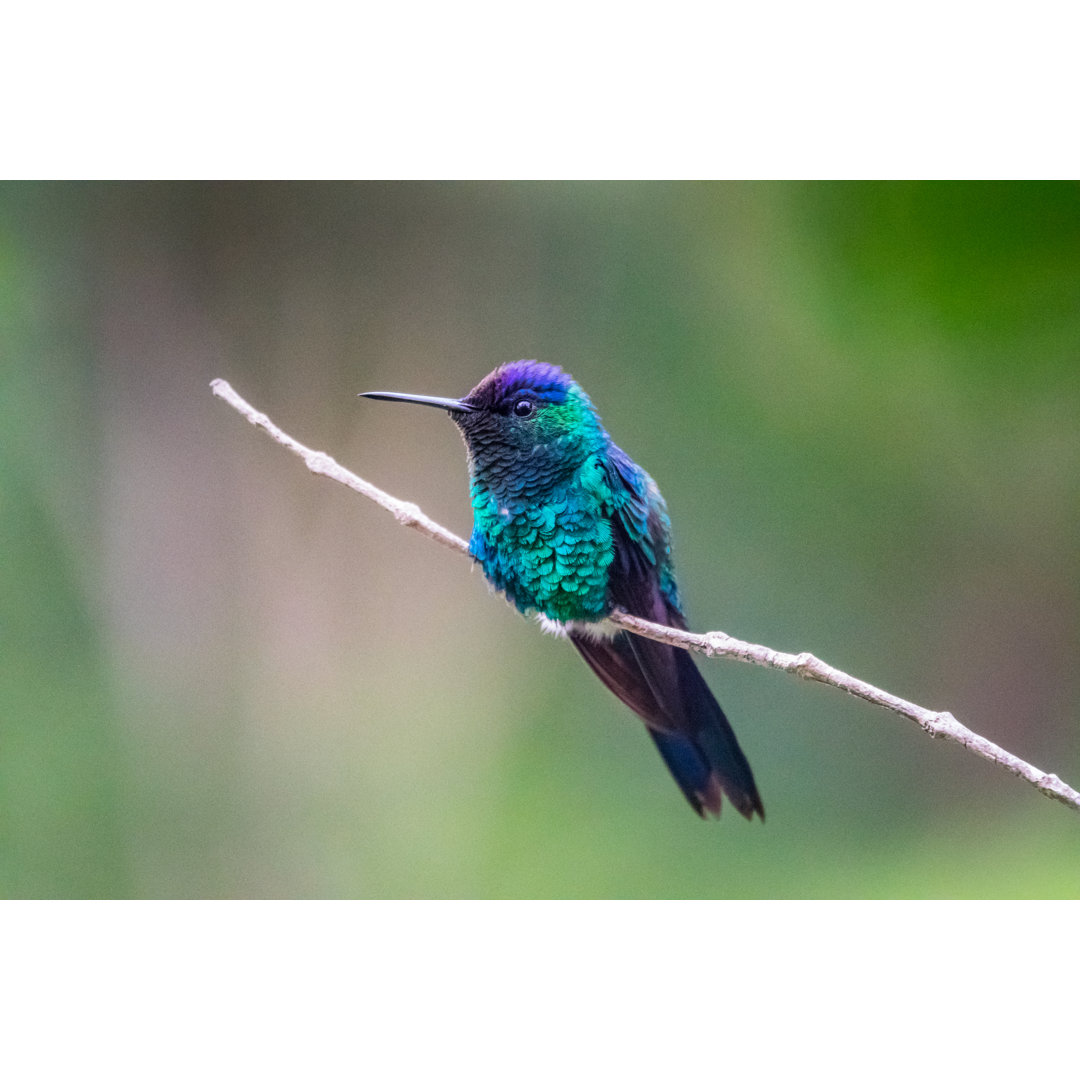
(664, 687)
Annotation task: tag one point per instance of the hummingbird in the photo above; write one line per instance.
(569, 529)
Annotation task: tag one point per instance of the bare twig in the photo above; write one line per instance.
(408, 514)
(939, 725)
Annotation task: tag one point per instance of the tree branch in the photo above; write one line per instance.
(939, 725)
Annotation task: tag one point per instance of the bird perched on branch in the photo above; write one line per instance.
(569, 527)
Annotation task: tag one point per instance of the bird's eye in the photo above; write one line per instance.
(524, 407)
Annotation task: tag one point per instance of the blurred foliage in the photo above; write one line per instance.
(222, 677)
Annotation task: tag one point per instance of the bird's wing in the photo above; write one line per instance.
(640, 579)
(659, 682)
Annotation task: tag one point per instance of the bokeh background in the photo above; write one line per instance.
(221, 676)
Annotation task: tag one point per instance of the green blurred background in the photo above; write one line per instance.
(223, 677)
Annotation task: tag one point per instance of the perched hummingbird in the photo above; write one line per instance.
(568, 527)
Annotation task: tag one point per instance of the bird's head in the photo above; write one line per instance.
(526, 408)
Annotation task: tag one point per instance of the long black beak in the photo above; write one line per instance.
(449, 404)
